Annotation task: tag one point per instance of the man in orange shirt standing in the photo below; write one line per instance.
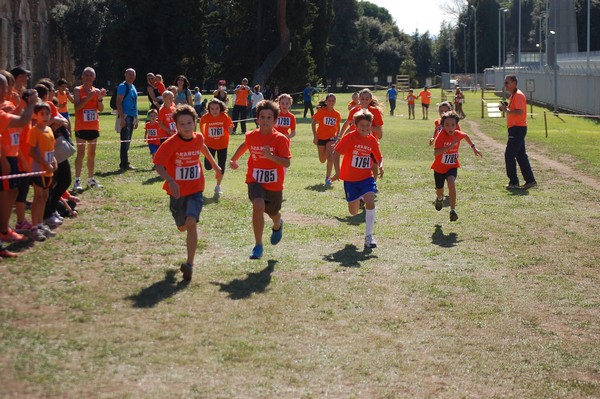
(425, 96)
(516, 121)
(240, 108)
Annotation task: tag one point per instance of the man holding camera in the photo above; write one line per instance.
(516, 121)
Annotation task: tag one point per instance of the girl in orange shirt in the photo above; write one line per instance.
(328, 121)
(286, 121)
(216, 126)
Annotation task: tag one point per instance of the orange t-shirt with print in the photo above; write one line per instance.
(357, 151)
(10, 136)
(87, 117)
(152, 133)
(165, 115)
(181, 159)
(328, 123)
(261, 170)
(410, 99)
(216, 130)
(43, 141)
(286, 123)
(448, 160)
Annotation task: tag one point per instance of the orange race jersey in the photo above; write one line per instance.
(353, 104)
(286, 123)
(377, 117)
(410, 99)
(152, 133)
(10, 137)
(329, 123)
(43, 141)
(181, 159)
(165, 115)
(425, 97)
(5, 119)
(448, 160)
(87, 117)
(24, 149)
(262, 170)
(517, 101)
(63, 100)
(357, 151)
(241, 96)
(216, 130)
(438, 126)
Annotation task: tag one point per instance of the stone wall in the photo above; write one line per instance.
(28, 40)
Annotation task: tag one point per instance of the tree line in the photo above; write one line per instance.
(284, 42)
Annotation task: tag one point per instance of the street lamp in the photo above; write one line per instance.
(542, 15)
(519, 41)
(501, 12)
(464, 45)
(475, 40)
(504, 43)
(449, 60)
(555, 67)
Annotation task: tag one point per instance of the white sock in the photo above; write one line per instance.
(369, 221)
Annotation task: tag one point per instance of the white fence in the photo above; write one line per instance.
(577, 89)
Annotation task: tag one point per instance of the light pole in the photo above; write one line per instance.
(504, 43)
(501, 12)
(464, 45)
(475, 40)
(519, 40)
(449, 60)
(542, 15)
(555, 67)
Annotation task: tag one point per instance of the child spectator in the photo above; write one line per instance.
(410, 100)
(425, 97)
(151, 129)
(64, 97)
(326, 128)
(41, 142)
(269, 155)
(216, 126)
(286, 121)
(359, 148)
(165, 116)
(159, 85)
(178, 163)
(445, 165)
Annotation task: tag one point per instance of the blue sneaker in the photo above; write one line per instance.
(277, 234)
(327, 182)
(257, 252)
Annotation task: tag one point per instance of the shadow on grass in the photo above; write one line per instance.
(321, 188)
(350, 256)
(210, 200)
(444, 240)
(152, 180)
(111, 173)
(254, 283)
(355, 220)
(159, 291)
(517, 191)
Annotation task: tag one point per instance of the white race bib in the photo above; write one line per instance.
(283, 121)
(172, 126)
(14, 138)
(90, 115)
(361, 162)
(327, 121)
(152, 133)
(49, 156)
(265, 175)
(450, 159)
(215, 132)
(187, 172)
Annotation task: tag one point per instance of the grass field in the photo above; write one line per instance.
(503, 303)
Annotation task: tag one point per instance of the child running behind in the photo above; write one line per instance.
(151, 129)
(410, 100)
(286, 121)
(443, 107)
(41, 142)
(216, 126)
(178, 163)
(445, 165)
(359, 148)
(328, 121)
(269, 155)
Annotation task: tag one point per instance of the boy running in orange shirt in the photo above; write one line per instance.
(41, 142)
(216, 126)
(269, 155)
(445, 165)
(359, 148)
(178, 163)
(151, 129)
(286, 121)
(324, 136)
(165, 117)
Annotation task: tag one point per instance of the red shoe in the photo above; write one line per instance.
(12, 236)
(5, 253)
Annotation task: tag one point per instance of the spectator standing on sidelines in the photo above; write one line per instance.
(127, 114)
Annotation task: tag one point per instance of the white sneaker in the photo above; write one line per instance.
(58, 216)
(53, 221)
(77, 186)
(218, 190)
(92, 183)
(370, 242)
(47, 231)
(37, 234)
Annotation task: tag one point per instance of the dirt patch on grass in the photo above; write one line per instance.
(535, 154)
(305, 220)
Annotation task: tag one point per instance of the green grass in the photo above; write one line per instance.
(502, 303)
